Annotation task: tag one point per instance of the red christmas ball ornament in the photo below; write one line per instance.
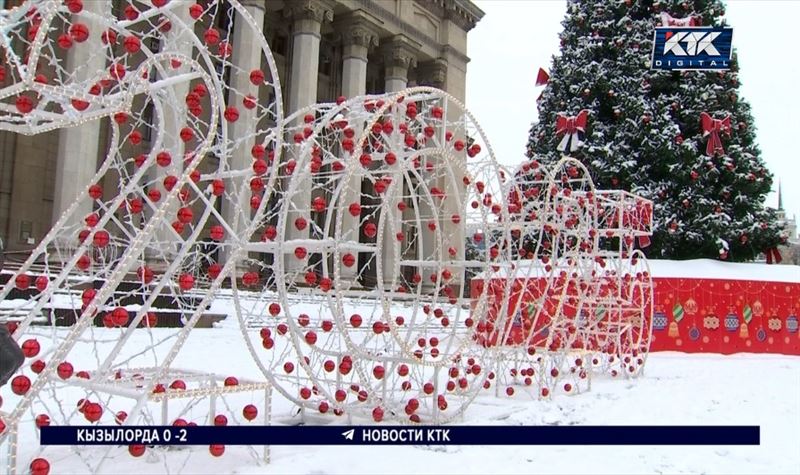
(231, 381)
(354, 209)
(101, 238)
(220, 420)
(250, 412)
(40, 466)
(216, 450)
(92, 411)
(74, 6)
(325, 284)
(136, 450)
(257, 77)
(22, 282)
(96, 192)
(24, 104)
(274, 309)
(79, 32)
(231, 114)
(378, 371)
(217, 233)
(145, 274)
(108, 37)
(42, 420)
(249, 279)
(348, 260)
(131, 13)
(79, 104)
(311, 337)
(356, 320)
(186, 134)
(64, 370)
(154, 195)
(319, 204)
(196, 11)
(120, 417)
(370, 230)
(164, 159)
(300, 252)
(186, 282)
(185, 215)
(117, 71)
(211, 36)
(225, 49)
(38, 366)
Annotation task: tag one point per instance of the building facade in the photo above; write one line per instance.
(323, 49)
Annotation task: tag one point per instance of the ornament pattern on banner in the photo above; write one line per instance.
(757, 316)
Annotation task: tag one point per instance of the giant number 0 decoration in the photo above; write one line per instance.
(382, 266)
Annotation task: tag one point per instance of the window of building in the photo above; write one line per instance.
(279, 44)
(147, 117)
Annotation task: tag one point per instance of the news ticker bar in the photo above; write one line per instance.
(401, 435)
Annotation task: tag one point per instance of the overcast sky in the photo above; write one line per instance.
(516, 37)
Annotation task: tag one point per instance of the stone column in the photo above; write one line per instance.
(400, 54)
(246, 57)
(434, 73)
(78, 146)
(307, 17)
(454, 65)
(358, 35)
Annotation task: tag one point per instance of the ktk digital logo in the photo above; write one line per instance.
(692, 48)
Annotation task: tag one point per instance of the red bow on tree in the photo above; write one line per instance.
(669, 20)
(773, 255)
(711, 129)
(542, 77)
(571, 128)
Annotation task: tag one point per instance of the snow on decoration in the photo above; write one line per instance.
(572, 128)
(669, 20)
(574, 295)
(342, 231)
(712, 128)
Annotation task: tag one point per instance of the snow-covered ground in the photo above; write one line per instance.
(677, 389)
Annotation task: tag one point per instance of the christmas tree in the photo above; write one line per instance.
(682, 139)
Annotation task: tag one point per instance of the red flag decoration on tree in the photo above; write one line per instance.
(711, 130)
(669, 20)
(542, 77)
(572, 128)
